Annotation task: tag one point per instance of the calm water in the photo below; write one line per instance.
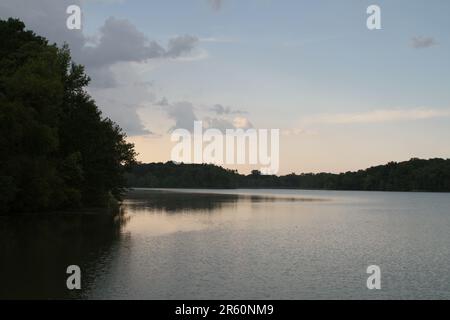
(236, 244)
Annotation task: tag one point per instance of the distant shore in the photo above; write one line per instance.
(415, 175)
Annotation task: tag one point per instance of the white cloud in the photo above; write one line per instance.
(242, 123)
(378, 116)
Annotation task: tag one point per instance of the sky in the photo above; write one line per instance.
(344, 97)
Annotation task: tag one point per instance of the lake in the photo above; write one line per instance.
(235, 244)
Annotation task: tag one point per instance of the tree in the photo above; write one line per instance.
(56, 149)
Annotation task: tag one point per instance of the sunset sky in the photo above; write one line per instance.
(343, 97)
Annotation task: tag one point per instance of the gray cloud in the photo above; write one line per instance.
(163, 102)
(122, 105)
(423, 42)
(102, 78)
(127, 117)
(183, 114)
(223, 123)
(46, 18)
(181, 45)
(118, 41)
(121, 41)
(218, 123)
(221, 110)
(215, 4)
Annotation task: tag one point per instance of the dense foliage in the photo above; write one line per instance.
(56, 149)
(412, 175)
(171, 175)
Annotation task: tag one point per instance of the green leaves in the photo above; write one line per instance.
(56, 150)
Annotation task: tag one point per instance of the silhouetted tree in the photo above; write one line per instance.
(56, 149)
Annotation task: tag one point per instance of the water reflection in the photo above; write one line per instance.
(175, 202)
(219, 245)
(172, 202)
(35, 251)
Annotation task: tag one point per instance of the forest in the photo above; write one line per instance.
(56, 149)
(432, 175)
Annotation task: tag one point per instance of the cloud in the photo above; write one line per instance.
(123, 104)
(102, 78)
(217, 123)
(223, 124)
(163, 102)
(181, 45)
(221, 110)
(109, 55)
(378, 116)
(216, 4)
(120, 41)
(423, 42)
(183, 115)
(293, 132)
(117, 41)
(128, 118)
(46, 18)
(242, 123)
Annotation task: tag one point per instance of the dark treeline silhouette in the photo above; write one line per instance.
(414, 175)
(56, 149)
(171, 175)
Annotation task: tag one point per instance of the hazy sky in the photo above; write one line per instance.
(344, 97)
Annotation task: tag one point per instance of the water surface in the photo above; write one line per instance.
(235, 244)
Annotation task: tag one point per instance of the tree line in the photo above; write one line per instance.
(414, 175)
(56, 148)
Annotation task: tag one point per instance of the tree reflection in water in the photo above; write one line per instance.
(173, 202)
(36, 249)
